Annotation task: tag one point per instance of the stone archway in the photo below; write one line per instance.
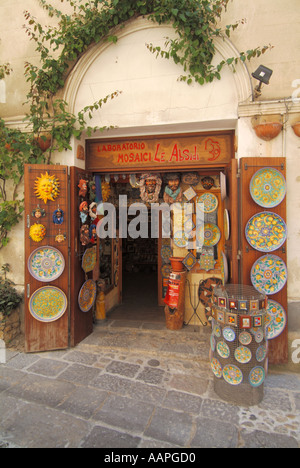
(152, 96)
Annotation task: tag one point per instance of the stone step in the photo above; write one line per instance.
(191, 342)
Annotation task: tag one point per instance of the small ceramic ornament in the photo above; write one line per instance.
(38, 212)
(58, 216)
(207, 182)
(83, 186)
(93, 233)
(105, 190)
(60, 238)
(46, 187)
(85, 234)
(93, 210)
(84, 210)
(37, 232)
(150, 185)
(173, 191)
(92, 190)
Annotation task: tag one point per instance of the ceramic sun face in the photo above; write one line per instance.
(46, 187)
(37, 232)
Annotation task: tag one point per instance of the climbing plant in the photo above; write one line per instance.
(60, 46)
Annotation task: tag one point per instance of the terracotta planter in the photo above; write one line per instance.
(268, 131)
(44, 142)
(296, 128)
(176, 263)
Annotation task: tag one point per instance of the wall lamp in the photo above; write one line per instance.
(263, 75)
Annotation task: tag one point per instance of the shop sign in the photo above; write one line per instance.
(159, 152)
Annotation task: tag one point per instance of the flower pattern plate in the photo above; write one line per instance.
(228, 334)
(268, 187)
(87, 295)
(232, 374)
(269, 274)
(276, 319)
(46, 264)
(223, 349)
(48, 304)
(261, 353)
(166, 253)
(243, 354)
(266, 231)
(245, 338)
(256, 376)
(209, 201)
(89, 259)
(210, 234)
(216, 367)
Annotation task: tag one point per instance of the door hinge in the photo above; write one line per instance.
(28, 291)
(239, 254)
(28, 221)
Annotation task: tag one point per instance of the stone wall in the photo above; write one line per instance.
(10, 327)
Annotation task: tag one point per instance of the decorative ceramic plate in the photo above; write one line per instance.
(212, 342)
(210, 233)
(276, 319)
(243, 354)
(217, 331)
(228, 334)
(46, 264)
(232, 374)
(181, 239)
(256, 376)
(266, 231)
(87, 295)
(216, 367)
(226, 225)
(223, 349)
(261, 353)
(245, 338)
(133, 181)
(89, 259)
(268, 187)
(48, 304)
(269, 274)
(207, 202)
(224, 268)
(223, 186)
(258, 336)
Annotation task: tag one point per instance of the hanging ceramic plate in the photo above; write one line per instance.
(266, 231)
(256, 376)
(232, 374)
(243, 354)
(181, 239)
(46, 264)
(89, 259)
(223, 186)
(223, 349)
(207, 202)
(166, 253)
(226, 225)
(48, 304)
(217, 331)
(133, 181)
(224, 268)
(261, 353)
(228, 334)
(87, 295)
(258, 336)
(268, 187)
(210, 234)
(269, 274)
(245, 338)
(216, 368)
(276, 319)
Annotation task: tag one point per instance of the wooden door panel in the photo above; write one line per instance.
(81, 323)
(278, 347)
(42, 336)
(231, 205)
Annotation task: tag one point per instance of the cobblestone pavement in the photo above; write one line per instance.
(137, 387)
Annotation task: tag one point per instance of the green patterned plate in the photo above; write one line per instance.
(268, 187)
(48, 304)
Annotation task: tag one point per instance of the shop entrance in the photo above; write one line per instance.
(139, 273)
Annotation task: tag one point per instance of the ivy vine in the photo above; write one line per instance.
(196, 23)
